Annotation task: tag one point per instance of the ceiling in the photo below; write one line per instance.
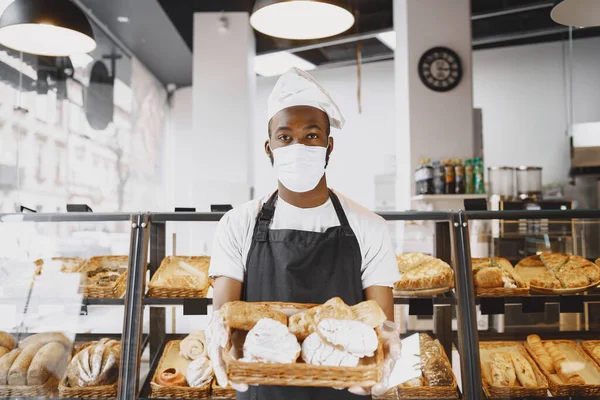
(160, 32)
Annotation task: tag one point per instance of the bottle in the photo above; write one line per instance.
(469, 184)
(459, 177)
(449, 177)
(439, 181)
(478, 184)
(428, 177)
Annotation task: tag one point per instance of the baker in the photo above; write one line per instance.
(304, 243)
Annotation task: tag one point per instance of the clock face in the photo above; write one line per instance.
(440, 69)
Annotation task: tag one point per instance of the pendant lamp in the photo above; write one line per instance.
(46, 27)
(301, 19)
(577, 13)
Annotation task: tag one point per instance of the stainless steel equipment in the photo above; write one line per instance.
(501, 182)
(529, 183)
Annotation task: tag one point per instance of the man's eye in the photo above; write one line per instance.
(312, 136)
(283, 138)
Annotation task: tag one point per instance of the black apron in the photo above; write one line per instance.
(302, 267)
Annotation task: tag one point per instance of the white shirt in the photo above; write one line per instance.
(234, 233)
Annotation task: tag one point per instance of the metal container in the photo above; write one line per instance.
(529, 183)
(501, 182)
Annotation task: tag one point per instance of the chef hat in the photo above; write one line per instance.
(298, 88)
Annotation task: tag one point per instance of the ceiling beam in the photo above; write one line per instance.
(513, 10)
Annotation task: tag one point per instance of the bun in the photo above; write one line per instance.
(49, 361)
(7, 340)
(243, 315)
(305, 323)
(171, 377)
(41, 339)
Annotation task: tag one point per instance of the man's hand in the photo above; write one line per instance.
(216, 340)
(392, 346)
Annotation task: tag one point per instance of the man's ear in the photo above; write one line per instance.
(268, 149)
(330, 144)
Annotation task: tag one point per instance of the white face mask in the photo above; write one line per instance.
(299, 168)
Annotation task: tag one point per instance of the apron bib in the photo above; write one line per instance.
(302, 267)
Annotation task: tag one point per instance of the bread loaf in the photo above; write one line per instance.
(562, 365)
(6, 361)
(523, 370)
(45, 338)
(95, 365)
(3, 351)
(17, 375)
(243, 315)
(369, 312)
(7, 340)
(49, 361)
(542, 356)
(502, 369)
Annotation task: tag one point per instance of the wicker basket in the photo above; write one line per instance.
(160, 291)
(588, 346)
(430, 392)
(93, 392)
(496, 392)
(117, 290)
(46, 390)
(219, 393)
(176, 392)
(558, 387)
(391, 394)
(69, 264)
(522, 288)
(299, 373)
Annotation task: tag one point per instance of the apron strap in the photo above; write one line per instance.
(340, 214)
(265, 217)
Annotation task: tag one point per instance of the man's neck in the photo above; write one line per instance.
(314, 198)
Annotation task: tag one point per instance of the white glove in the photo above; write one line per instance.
(217, 337)
(392, 347)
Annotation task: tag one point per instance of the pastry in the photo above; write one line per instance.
(545, 280)
(3, 351)
(564, 368)
(243, 315)
(408, 261)
(415, 382)
(95, 365)
(171, 377)
(572, 279)
(523, 370)
(315, 351)
(592, 272)
(199, 372)
(193, 346)
(271, 341)
(489, 277)
(353, 337)
(45, 338)
(6, 361)
(479, 263)
(431, 274)
(369, 313)
(553, 261)
(541, 355)
(304, 323)
(17, 375)
(7, 340)
(49, 361)
(596, 352)
(104, 271)
(502, 370)
(436, 370)
(182, 272)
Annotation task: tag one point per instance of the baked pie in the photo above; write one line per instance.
(560, 271)
(420, 271)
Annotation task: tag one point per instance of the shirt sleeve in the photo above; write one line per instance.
(227, 250)
(379, 261)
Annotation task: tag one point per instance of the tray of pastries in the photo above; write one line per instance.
(422, 275)
(180, 276)
(286, 344)
(34, 366)
(507, 370)
(592, 347)
(494, 277)
(93, 372)
(105, 277)
(558, 273)
(183, 371)
(67, 264)
(570, 371)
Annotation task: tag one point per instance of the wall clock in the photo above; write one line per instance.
(440, 69)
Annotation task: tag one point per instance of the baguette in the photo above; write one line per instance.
(48, 361)
(6, 361)
(45, 338)
(540, 353)
(561, 365)
(7, 340)
(523, 369)
(502, 370)
(243, 315)
(3, 351)
(17, 375)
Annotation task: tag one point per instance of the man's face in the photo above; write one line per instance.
(299, 125)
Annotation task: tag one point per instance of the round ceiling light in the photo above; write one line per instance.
(46, 27)
(577, 13)
(300, 19)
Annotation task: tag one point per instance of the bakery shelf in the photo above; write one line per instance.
(547, 334)
(65, 217)
(154, 301)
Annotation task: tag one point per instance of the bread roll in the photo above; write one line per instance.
(523, 370)
(305, 323)
(199, 372)
(562, 365)
(3, 351)
(243, 315)
(45, 338)
(49, 361)
(7, 340)
(502, 370)
(541, 355)
(316, 352)
(369, 312)
(193, 346)
(171, 377)
(17, 375)
(489, 278)
(271, 341)
(6, 361)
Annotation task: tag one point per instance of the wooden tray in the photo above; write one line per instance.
(510, 391)
(590, 373)
(93, 392)
(430, 392)
(217, 392)
(299, 373)
(171, 359)
(522, 288)
(588, 346)
(155, 289)
(116, 291)
(46, 390)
